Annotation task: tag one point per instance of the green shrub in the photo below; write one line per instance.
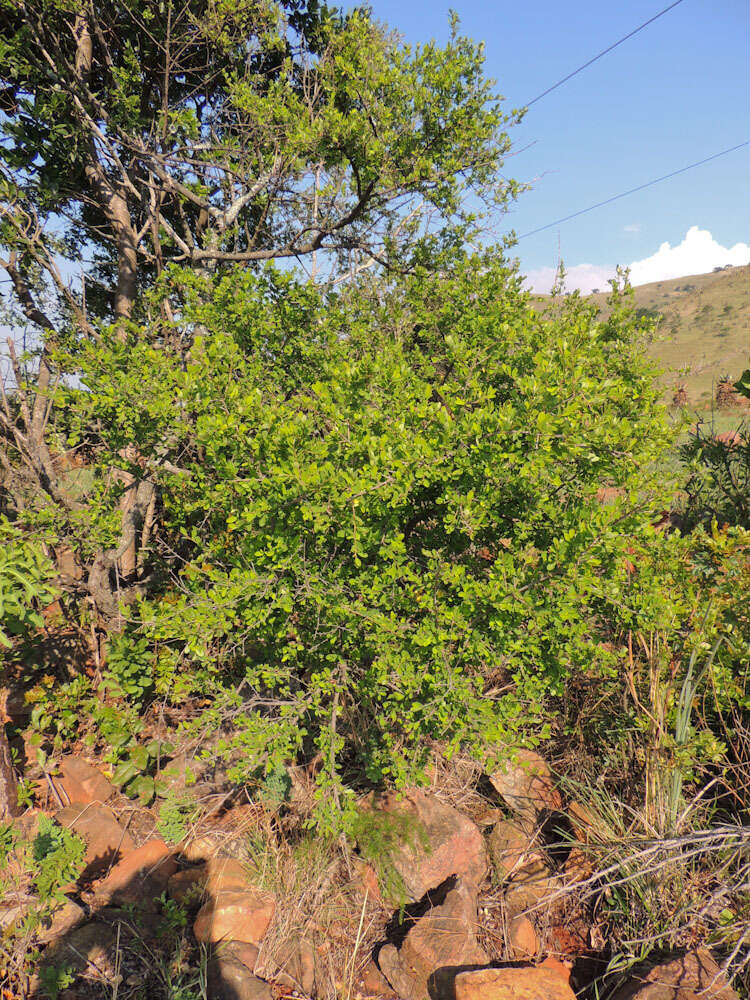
(177, 812)
(383, 508)
(718, 483)
(48, 861)
(129, 672)
(57, 856)
(25, 583)
(134, 775)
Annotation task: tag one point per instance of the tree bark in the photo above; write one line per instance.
(100, 585)
(111, 196)
(127, 257)
(127, 562)
(8, 786)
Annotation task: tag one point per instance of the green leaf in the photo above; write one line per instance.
(143, 787)
(140, 757)
(124, 773)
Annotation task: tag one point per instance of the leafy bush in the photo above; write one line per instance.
(177, 812)
(49, 861)
(77, 709)
(57, 855)
(718, 484)
(25, 583)
(382, 510)
(130, 668)
(133, 775)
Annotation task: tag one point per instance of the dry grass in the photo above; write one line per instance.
(458, 783)
(323, 901)
(648, 891)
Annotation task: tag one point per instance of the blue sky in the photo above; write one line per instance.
(675, 93)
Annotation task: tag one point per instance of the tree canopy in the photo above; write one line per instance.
(207, 133)
(143, 137)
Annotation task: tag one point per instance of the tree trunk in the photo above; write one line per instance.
(127, 257)
(8, 787)
(127, 562)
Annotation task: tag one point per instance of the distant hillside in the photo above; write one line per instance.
(704, 330)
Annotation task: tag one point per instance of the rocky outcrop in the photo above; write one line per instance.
(61, 919)
(80, 783)
(374, 984)
(90, 947)
(296, 965)
(525, 783)
(523, 943)
(513, 849)
(229, 978)
(433, 947)
(232, 915)
(217, 875)
(139, 879)
(435, 842)
(107, 842)
(548, 981)
(692, 976)
(444, 937)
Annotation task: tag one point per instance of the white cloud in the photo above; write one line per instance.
(697, 254)
(585, 277)
(632, 227)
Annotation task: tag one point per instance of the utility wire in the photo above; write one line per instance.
(602, 53)
(624, 194)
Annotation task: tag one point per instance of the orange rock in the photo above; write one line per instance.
(441, 940)
(512, 849)
(559, 968)
(235, 916)
(583, 823)
(201, 848)
(572, 938)
(216, 875)
(228, 978)
(81, 783)
(106, 841)
(373, 983)
(60, 920)
(224, 874)
(525, 783)
(524, 943)
(187, 886)
(90, 948)
(529, 983)
(692, 976)
(437, 841)
(240, 951)
(531, 891)
(140, 878)
(296, 966)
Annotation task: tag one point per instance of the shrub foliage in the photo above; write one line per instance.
(384, 514)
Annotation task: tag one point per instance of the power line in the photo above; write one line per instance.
(624, 194)
(602, 53)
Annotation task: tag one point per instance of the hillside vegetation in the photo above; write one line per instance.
(703, 328)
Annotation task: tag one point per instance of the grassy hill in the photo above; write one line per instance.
(704, 329)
